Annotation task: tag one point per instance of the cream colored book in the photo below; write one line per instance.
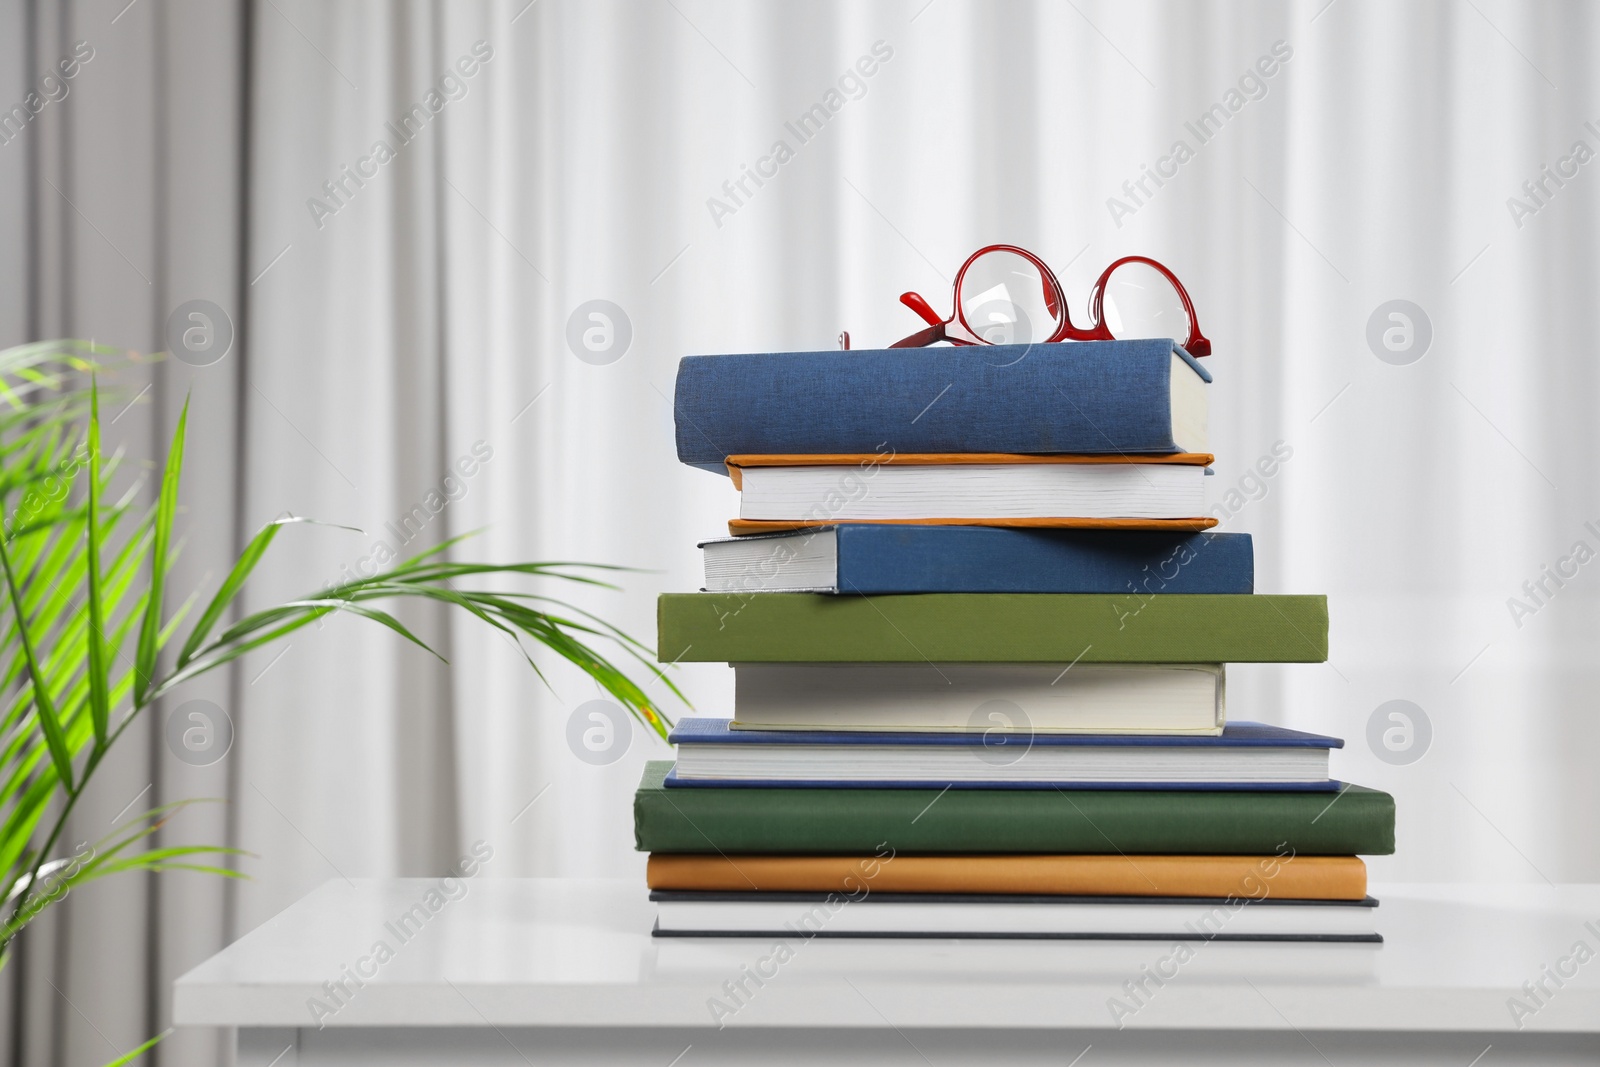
(1100, 698)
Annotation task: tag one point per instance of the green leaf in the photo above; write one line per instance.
(68, 661)
(99, 705)
(204, 662)
(44, 710)
(166, 507)
(234, 582)
(124, 1060)
(374, 614)
(107, 856)
(149, 861)
(229, 589)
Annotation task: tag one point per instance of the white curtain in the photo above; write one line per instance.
(412, 314)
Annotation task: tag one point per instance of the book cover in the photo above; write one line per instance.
(1245, 755)
(877, 559)
(720, 819)
(1299, 877)
(1081, 698)
(1093, 396)
(711, 730)
(991, 627)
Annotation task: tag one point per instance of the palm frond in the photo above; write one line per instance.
(111, 854)
(84, 617)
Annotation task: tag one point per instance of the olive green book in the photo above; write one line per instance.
(991, 628)
(714, 819)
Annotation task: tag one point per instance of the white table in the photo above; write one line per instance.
(545, 971)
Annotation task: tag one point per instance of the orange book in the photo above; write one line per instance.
(866, 464)
(1289, 877)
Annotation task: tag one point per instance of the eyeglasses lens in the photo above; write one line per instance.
(1005, 299)
(1139, 301)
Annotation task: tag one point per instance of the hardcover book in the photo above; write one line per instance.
(1109, 698)
(866, 558)
(903, 915)
(791, 821)
(1296, 877)
(991, 627)
(972, 489)
(1245, 755)
(1145, 396)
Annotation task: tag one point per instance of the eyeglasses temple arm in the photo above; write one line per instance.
(921, 307)
(922, 338)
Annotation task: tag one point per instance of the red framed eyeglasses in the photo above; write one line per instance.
(1006, 295)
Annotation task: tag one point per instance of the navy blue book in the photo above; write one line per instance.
(1246, 755)
(872, 558)
(1076, 397)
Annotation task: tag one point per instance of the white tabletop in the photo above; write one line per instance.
(561, 952)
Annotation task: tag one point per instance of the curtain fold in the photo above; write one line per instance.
(407, 210)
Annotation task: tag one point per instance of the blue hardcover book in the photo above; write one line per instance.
(1246, 755)
(872, 559)
(1078, 397)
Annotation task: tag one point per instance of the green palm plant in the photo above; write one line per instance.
(85, 616)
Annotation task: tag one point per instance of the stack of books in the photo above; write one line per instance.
(979, 632)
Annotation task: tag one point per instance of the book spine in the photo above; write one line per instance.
(911, 821)
(1137, 564)
(1299, 877)
(1001, 398)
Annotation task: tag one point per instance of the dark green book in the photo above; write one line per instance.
(712, 819)
(991, 627)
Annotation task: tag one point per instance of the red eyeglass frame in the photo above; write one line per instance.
(938, 328)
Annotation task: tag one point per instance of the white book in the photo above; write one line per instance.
(712, 959)
(987, 491)
(684, 914)
(1097, 698)
(1243, 755)
(1025, 761)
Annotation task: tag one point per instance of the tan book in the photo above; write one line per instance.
(1285, 877)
